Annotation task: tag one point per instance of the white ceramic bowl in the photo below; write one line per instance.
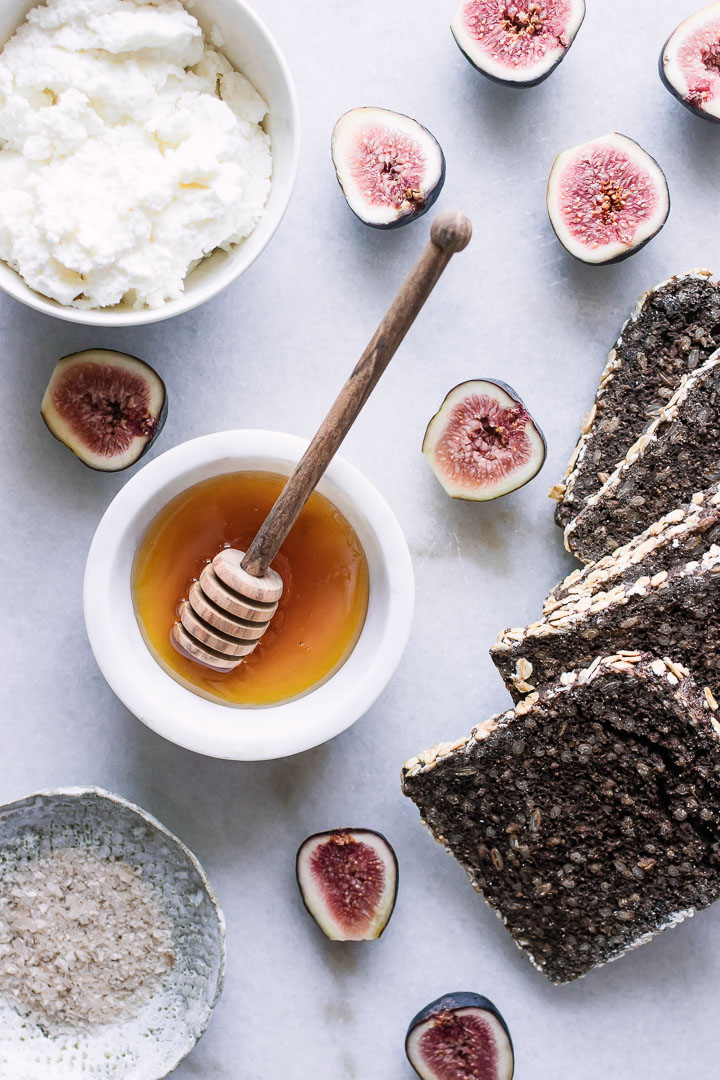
(250, 48)
(149, 1045)
(209, 727)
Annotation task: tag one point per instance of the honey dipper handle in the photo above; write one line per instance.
(450, 232)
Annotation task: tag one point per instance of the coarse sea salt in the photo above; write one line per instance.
(83, 939)
(130, 149)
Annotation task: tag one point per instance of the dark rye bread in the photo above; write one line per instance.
(678, 455)
(675, 613)
(588, 816)
(678, 537)
(673, 329)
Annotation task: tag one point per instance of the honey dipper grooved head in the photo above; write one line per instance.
(228, 567)
(187, 644)
(227, 612)
(207, 634)
(226, 598)
(203, 606)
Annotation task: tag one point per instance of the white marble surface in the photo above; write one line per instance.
(514, 306)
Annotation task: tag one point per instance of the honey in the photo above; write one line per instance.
(322, 609)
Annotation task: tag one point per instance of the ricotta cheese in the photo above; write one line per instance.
(130, 149)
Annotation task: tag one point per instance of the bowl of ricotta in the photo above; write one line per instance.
(148, 151)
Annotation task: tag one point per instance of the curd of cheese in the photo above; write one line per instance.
(129, 150)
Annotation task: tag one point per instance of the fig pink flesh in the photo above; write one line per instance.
(699, 59)
(604, 196)
(520, 33)
(388, 167)
(483, 442)
(460, 1047)
(107, 408)
(351, 876)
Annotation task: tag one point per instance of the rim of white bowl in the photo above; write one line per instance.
(13, 285)
(210, 727)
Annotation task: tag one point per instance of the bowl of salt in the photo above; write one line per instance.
(112, 941)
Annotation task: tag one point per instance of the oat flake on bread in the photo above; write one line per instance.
(129, 150)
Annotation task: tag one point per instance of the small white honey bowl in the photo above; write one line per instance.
(209, 726)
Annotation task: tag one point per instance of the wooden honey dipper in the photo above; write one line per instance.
(229, 609)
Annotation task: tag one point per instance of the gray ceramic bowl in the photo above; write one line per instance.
(149, 1046)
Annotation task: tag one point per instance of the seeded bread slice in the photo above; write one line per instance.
(674, 328)
(675, 613)
(678, 537)
(678, 455)
(589, 815)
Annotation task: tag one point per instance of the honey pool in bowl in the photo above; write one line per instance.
(322, 609)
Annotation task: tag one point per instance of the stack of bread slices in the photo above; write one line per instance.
(589, 815)
(640, 504)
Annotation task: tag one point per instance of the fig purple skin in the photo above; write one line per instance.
(458, 1036)
(348, 880)
(517, 44)
(390, 168)
(483, 443)
(690, 63)
(606, 199)
(107, 407)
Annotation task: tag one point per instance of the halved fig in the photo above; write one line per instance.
(106, 406)
(348, 880)
(517, 42)
(390, 168)
(690, 63)
(483, 443)
(606, 199)
(460, 1037)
